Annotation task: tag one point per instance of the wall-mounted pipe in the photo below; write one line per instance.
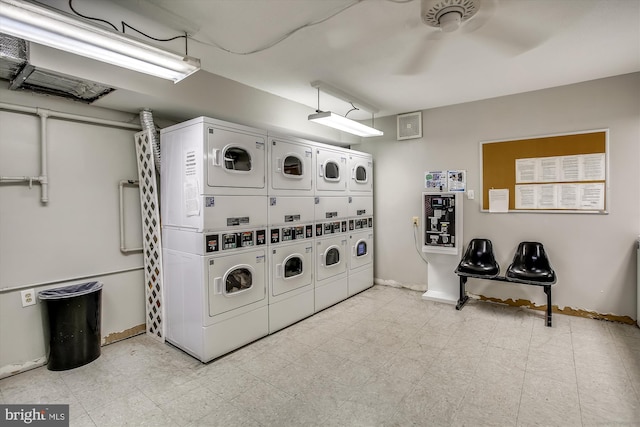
(43, 178)
(133, 183)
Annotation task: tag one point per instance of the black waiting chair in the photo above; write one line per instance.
(531, 266)
(478, 261)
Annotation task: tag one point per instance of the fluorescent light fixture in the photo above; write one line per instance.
(62, 31)
(342, 123)
(339, 122)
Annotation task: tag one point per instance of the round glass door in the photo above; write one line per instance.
(331, 171)
(361, 174)
(332, 256)
(237, 280)
(293, 266)
(237, 159)
(361, 248)
(292, 166)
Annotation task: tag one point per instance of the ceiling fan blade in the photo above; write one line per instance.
(510, 39)
(484, 15)
(422, 54)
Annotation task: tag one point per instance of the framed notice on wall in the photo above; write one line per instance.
(565, 173)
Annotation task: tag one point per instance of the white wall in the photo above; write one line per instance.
(593, 255)
(75, 237)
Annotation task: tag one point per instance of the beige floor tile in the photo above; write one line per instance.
(132, 409)
(384, 357)
(548, 402)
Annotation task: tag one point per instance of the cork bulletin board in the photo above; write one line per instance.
(565, 173)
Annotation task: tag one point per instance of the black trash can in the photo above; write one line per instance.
(72, 324)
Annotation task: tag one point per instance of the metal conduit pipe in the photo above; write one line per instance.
(43, 178)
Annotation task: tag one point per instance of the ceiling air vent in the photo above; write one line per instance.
(409, 126)
(15, 67)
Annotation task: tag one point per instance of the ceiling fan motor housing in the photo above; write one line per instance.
(432, 11)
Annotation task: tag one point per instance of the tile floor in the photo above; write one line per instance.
(382, 358)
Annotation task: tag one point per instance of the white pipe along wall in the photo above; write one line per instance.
(43, 178)
(69, 234)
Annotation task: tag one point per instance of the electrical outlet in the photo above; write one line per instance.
(414, 221)
(28, 297)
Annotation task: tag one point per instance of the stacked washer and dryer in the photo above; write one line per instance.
(259, 231)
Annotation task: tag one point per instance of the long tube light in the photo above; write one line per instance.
(342, 123)
(61, 31)
(339, 122)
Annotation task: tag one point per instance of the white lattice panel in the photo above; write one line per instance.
(150, 235)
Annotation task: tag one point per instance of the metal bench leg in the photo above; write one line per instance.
(463, 294)
(547, 290)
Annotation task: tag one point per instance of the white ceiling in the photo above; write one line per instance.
(381, 52)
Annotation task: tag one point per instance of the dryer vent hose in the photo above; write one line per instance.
(146, 120)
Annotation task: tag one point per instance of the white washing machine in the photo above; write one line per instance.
(211, 157)
(360, 268)
(291, 166)
(291, 290)
(331, 255)
(360, 173)
(216, 299)
(331, 170)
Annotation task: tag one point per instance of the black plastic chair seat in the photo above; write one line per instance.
(478, 260)
(531, 266)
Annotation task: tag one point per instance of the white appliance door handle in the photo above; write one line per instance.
(321, 170)
(353, 250)
(217, 285)
(279, 164)
(278, 271)
(215, 157)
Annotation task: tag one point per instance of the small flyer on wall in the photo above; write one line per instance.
(457, 180)
(435, 181)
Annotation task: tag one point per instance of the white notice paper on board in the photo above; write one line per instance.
(526, 196)
(592, 196)
(499, 200)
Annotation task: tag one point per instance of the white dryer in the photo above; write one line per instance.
(212, 157)
(331, 263)
(331, 170)
(216, 299)
(291, 290)
(360, 173)
(291, 166)
(360, 268)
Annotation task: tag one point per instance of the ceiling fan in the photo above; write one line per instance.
(448, 15)
(452, 17)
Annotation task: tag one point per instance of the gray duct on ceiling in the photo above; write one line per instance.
(16, 68)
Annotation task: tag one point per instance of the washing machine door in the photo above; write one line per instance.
(236, 280)
(290, 166)
(361, 250)
(235, 159)
(331, 170)
(361, 179)
(292, 268)
(331, 258)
